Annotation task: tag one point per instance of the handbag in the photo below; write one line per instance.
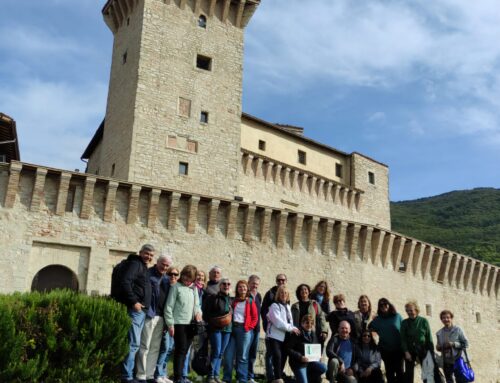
(462, 368)
(224, 320)
(195, 327)
(201, 360)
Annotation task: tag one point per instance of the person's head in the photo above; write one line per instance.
(412, 309)
(307, 322)
(225, 286)
(201, 278)
(147, 253)
(241, 289)
(323, 289)
(367, 338)
(282, 295)
(339, 301)
(302, 292)
(385, 307)
(173, 274)
(281, 279)
(188, 274)
(364, 304)
(163, 263)
(344, 329)
(215, 274)
(253, 283)
(446, 317)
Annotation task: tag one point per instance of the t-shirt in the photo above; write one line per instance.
(345, 352)
(239, 312)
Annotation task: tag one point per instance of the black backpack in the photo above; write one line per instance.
(116, 279)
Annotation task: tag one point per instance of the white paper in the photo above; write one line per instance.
(312, 351)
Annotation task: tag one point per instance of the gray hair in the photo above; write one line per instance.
(147, 247)
(224, 280)
(253, 277)
(215, 267)
(166, 257)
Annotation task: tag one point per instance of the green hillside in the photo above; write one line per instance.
(465, 221)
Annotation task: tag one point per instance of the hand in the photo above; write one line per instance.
(304, 359)
(198, 317)
(171, 331)
(366, 373)
(449, 345)
(296, 331)
(323, 335)
(349, 372)
(138, 306)
(408, 356)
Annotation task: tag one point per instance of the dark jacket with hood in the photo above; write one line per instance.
(134, 283)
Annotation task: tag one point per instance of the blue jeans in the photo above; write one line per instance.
(134, 340)
(218, 343)
(252, 353)
(185, 369)
(238, 348)
(166, 349)
(312, 372)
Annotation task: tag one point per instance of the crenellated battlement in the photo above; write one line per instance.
(47, 192)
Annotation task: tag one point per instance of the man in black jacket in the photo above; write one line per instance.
(342, 354)
(135, 292)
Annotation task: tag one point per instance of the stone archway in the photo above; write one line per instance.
(54, 277)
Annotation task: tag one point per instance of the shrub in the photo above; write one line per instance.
(61, 336)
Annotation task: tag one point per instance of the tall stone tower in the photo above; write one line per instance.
(173, 114)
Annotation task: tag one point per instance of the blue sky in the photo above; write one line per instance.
(415, 85)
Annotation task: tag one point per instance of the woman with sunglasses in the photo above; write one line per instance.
(244, 321)
(387, 325)
(369, 360)
(217, 313)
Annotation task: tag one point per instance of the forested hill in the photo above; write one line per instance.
(465, 221)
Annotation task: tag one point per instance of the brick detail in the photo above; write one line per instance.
(429, 252)
(298, 221)
(397, 254)
(281, 229)
(37, 195)
(378, 240)
(340, 234)
(173, 209)
(154, 198)
(417, 259)
(213, 208)
(408, 254)
(477, 282)
(265, 222)
(62, 193)
(353, 248)
(88, 197)
(435, 273)
(192, 214)
(366, 245)
(249, 219)
(493, 285)
(231, 219)
(446, 269)
(387, 249)
(327, 237)
(133, 204)
(109, 205)
(13, 185)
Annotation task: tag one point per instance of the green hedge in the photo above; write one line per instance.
(61, 336)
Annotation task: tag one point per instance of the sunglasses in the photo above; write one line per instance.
(225, 284)
(280, 280)
(173, 274)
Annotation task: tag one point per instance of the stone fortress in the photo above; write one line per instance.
(177, 163)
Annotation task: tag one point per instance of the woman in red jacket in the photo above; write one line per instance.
(245, 318)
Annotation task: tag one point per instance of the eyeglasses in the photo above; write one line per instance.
(173, 274)
(281, 280)
(226, 284)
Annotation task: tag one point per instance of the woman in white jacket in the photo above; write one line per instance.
(279, 323)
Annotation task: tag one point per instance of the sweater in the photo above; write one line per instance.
(388, 329)
(454, 335)
(182, 305)
(416, 337)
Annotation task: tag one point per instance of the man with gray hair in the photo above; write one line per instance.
(214, 277)
(130, 285)
(152, 331)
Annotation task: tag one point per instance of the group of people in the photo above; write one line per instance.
(168, 307)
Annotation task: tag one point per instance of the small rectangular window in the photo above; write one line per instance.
(3, 158)
(338, 170)
(204, 62)
(371, 178)
(478, 317)
(204, 117)
(184, 107)
(428, 310)
(262, 145)
(183, 168)
(124, 57)
(112, 170)
(301, 157)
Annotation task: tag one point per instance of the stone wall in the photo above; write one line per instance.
(89, 223)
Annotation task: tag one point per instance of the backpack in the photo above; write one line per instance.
(116, 279)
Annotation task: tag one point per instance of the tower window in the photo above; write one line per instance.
(301, 157)
(112, 170)
(183, 168)
(428, 310)
(124, 57)
(204, 62)
(371, 178)
(3, 158)
(262, 145)
(202, 21)
(478, 317)
(204, 117)
(338, 170)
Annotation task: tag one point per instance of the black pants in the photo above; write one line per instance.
(182, 338)
(409, 371)
(375, 377)
(278, 354)
(393, 362)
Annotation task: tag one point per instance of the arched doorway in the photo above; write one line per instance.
(54, 277)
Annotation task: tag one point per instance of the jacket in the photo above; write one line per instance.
(387, 326)
(325, 304)
(454, 335)
(337, 316)
(266, 303)
(280, 322)
(360, 323)
(216, 306)
(251, 314)
(332, 349)
(416, 337)
(160, 286)
(317, 313)
(367, 358)
(182, 304)
(134, 283)
(295, 348)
